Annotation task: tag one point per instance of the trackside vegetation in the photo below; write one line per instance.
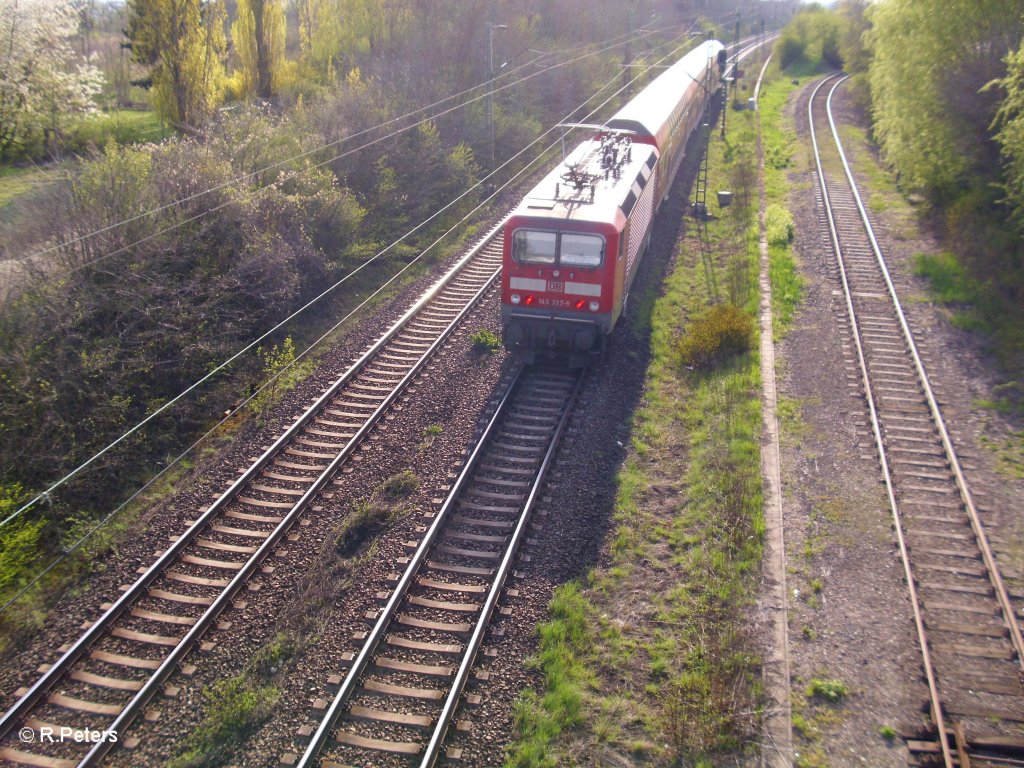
(236, 706)
(778, 140)
(943, 83)
(648, 657)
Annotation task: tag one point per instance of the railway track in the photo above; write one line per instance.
(968, 631)
(104, 680)
(405, 684)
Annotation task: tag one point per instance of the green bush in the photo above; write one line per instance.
(720, 332)
(485, 342)
(20, 545)
(780, 225)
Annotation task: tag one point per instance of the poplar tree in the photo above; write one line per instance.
(334, 33)
(183, 43)
(259, 36)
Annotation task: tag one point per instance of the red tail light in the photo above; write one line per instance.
(529, 300)
(580, 304)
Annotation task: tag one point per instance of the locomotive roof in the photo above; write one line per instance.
(556, 198)
(650, 109)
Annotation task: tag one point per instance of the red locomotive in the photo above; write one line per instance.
(573, 245)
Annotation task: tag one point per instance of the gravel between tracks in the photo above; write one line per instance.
(318, 599)
(573, 520)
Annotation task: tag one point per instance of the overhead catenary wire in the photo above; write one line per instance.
(308, 168)
(70, 550)
(251, 345)
(328, 145)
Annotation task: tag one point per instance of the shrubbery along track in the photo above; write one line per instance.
(109, 673)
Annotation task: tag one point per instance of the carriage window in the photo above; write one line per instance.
(532, 247)
(581, 250)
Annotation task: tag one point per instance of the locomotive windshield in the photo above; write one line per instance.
(531, 246)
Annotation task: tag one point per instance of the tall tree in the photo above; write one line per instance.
(853, 33)
(1010, 136)
(183, 43)
(258, 36)
(930, 62)
(334, 33)
(42, 80)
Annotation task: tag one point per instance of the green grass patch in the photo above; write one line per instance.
(122, 126)
(780, 226)
(564, 642)
(16, 182)
(83, 136)
(981, 308)
(829, 690)
(401, 484)
(371, 515)
(948, 280)
(778, 140)
(235, 707)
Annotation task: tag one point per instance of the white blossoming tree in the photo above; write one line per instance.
(42, 79)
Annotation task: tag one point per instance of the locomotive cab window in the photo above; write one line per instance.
(581, 250)
(531, 246)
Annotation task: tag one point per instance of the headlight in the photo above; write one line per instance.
(594, 306)
(514, 298)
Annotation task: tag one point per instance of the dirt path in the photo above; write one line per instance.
(778, 749)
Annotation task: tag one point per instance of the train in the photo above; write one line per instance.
(572, 246)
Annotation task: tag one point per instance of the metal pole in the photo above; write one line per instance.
(491, 26)
(735, 60)
(490, 95)
(627, 56)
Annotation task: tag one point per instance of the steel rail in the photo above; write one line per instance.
(20, 709)
(362, 660)
(936, 703)
(433, 749)
(965, 493)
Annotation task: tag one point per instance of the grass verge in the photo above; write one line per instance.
(778, 138)
(648, 658)
(980, 308)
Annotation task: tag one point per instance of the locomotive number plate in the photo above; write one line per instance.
(555, 286)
